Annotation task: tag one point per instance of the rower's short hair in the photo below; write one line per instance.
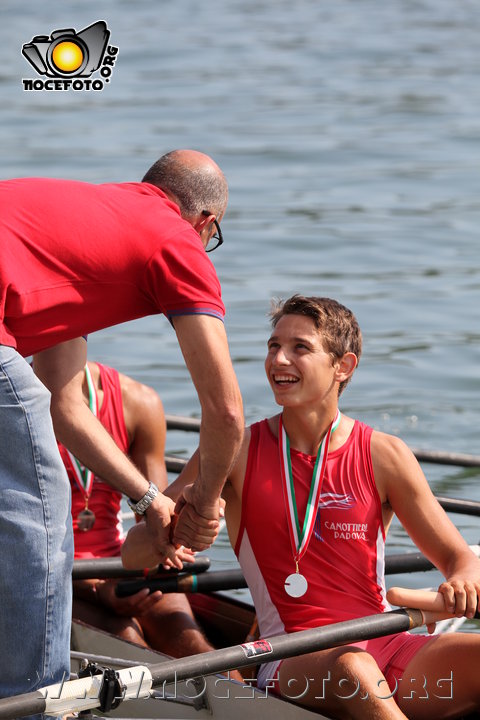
(195, 188)
(339, 327)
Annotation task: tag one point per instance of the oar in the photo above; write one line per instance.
(113, 568)
(234, 579)
(174, 464)
(136, 682)
(179, 422)
(186, 583)
(447, 458)
(463, 507)
(413, 562)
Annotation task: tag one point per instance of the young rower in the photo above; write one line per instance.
(309, 503)
(133, 415)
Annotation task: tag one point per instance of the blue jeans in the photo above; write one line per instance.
(36, 539)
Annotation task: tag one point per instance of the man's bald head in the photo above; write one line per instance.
(193, 180)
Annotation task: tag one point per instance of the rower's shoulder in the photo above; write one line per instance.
(271, 422)
(237, 474)
(142, 405)
(390, 447)
(394, 464)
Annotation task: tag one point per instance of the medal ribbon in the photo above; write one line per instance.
(299, 539)
(84, 476)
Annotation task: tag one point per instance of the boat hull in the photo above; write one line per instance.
(227, 622)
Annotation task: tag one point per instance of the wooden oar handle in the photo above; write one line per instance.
(419, 599)
(425, 600)
(430, 604)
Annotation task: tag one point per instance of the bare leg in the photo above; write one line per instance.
(98, 616)
(171, 627)
(344, 683)
(441, 681)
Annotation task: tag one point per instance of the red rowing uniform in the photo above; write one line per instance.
(344, 562)
(105, 538)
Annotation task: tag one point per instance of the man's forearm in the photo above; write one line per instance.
(205, 348)
(61, 369)
(220, 442)
(88, 440)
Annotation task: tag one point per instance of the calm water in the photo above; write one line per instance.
(349, 131)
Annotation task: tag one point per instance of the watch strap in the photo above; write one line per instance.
(140, 507)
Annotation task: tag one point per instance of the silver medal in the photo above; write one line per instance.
(296, 585)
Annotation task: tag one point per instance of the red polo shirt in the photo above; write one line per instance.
(77, 257)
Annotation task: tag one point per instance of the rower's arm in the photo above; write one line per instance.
(145, 422)
(187, 476)
(402, 483)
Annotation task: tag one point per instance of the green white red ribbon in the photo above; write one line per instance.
(300, 538)
(84, 476)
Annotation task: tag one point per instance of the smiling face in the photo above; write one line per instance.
(299, 370)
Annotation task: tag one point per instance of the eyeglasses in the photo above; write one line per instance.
(217, 239)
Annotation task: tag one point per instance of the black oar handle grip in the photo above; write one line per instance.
(186, 583)
(130, 587)
(112, 568)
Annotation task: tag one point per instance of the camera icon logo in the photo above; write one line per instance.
(69, 57)
(66, 53)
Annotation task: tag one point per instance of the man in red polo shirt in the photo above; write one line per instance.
(76, 258)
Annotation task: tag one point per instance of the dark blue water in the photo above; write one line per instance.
(349, 131)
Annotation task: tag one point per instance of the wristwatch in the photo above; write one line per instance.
(141, 506)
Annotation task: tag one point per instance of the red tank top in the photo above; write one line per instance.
(344, 562)
(104, 539)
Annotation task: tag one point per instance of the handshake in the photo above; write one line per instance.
(172, 532)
